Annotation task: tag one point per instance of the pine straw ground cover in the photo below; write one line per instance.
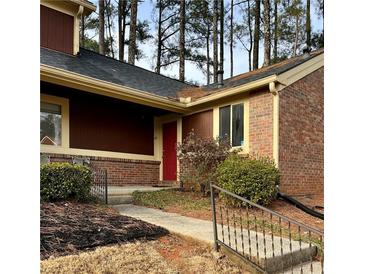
(69, 227)
(168, 254)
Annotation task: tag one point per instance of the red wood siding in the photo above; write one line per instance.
(169, 151)
(104, 124)
(57, 30)
(201, 122)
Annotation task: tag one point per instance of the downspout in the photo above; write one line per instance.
(275, 142)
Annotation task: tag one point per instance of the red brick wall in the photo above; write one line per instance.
(261, 123)
(121, 171)
(301, 136)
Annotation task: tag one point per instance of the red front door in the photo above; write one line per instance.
(169, 140)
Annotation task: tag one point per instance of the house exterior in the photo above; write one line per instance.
(128, 120)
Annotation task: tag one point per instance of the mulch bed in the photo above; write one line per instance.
(68, 227)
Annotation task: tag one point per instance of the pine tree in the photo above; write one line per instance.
(109, 15)
(276, 37)
(182, 41)
(221, 32)
(167, 25)
(215, 41)
(122, 14)
(101, 27)
(267, 36)
(243, 31)
(132, 46)
(231, 37)
(256, 36)
(308, 24)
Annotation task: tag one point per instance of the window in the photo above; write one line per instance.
(231, 123)
(51, 121)
(224, 121)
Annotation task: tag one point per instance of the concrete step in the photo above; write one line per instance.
(118, 195)
(315, 267)
(120, 199)
(279, 253)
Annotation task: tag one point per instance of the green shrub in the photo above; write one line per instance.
(256, 179)
(61, 181)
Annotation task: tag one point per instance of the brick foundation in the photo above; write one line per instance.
(301, 136)
(121, 171)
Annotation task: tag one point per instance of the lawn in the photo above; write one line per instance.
(194, 205)
(168, 254)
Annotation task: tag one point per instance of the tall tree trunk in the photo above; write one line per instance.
(231, 39)
(108, 15)
(295, 46)
(132, 33)
(267, 42)
(251, 38)
(121, 27)
(101, 27)
(256, 36)
(82, 31)
(215, 41)
(159, 39)
(208, 56)
(275, 51)
(221, 32)
(182, 41)
(308, 24)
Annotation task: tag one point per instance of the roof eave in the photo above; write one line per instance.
(88, 7)
(292, 75)
(235, 90)
(93, 85)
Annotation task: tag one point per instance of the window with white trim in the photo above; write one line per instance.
(50, 124)
(231, 123)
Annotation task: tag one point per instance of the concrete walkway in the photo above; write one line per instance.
(279, 253)
(195, 228)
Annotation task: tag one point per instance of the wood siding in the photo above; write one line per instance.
(102, 123)
(201, 122)
(57, 30)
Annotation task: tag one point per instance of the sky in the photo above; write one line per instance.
(192, 73)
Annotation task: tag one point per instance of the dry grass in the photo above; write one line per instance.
(169, 254)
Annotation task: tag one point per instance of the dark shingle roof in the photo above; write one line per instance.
(244, 78)
(264, 72)
(97, 66)
(101, 67)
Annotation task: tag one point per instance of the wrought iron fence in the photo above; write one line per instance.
(99, 187)
(266, 240)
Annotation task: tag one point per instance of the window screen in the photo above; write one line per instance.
(224, 122)
(237, 125)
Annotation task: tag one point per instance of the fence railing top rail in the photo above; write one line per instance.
(268, 210)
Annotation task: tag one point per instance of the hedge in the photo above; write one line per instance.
(256, 179)
(63, 181)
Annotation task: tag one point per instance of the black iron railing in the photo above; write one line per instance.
(99, 188)
(266, 240)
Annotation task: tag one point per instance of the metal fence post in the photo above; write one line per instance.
(214, 217)
(106, 186)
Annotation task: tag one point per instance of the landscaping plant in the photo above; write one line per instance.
(199, 158)
(254, 178)
(61, 181)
